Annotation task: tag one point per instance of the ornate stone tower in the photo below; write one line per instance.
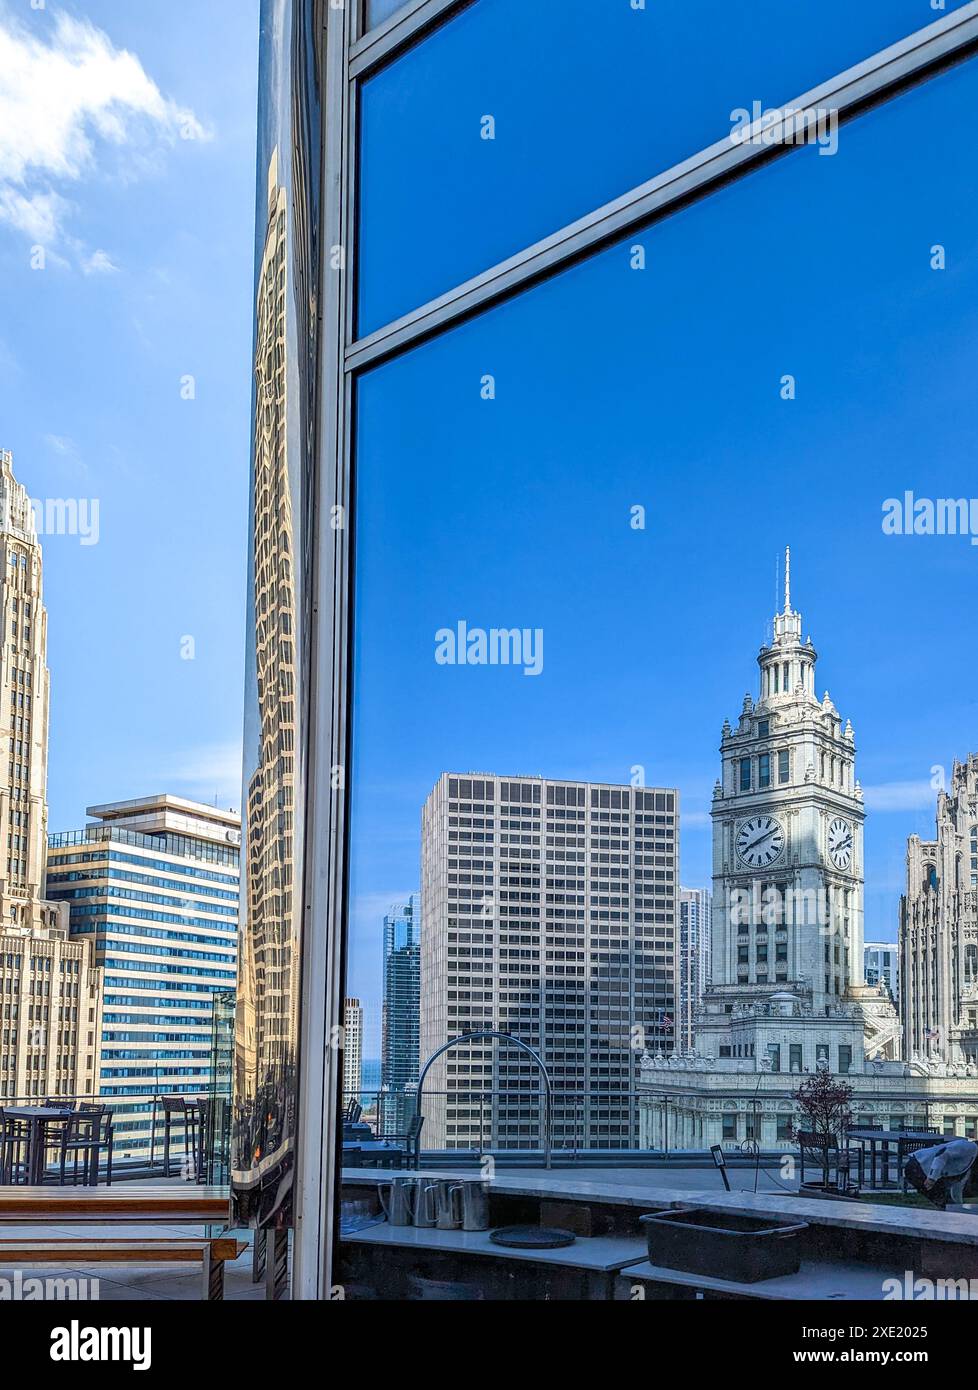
(788, 862)
(23, 713)
(939, 928)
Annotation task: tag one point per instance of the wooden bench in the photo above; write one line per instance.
(173, 1206)
(209, 1254)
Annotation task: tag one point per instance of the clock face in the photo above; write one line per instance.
(760, 841)
(840, 843)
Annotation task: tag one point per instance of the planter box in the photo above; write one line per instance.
(743, 1249)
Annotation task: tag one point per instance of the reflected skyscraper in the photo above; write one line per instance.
(267, 1020)
(401, 1021)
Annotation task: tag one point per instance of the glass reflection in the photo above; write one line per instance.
(501, 466)
(376, 11)
(285, 398)
(514, 119)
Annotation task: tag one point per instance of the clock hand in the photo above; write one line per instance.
(764, 836)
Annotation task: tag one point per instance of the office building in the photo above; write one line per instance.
(352, 1049)
(401, 1014)
(695, 934)
(882, 966)
(550, 912)
(152, 884)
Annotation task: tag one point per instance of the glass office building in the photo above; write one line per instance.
(153, 883)
(568, 318)
(401, 1015)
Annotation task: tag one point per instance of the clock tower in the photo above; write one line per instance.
(788, 820)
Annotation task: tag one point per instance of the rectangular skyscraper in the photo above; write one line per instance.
(695, 936)
(549, 911)
(402, 1005)
(882, 966)
(153, 884)
(352, 1050)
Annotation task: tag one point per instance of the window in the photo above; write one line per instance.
(498, 469)
(774, 1052)
(845, 1060)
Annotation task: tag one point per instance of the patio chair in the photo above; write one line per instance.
(83, 1137)
(410, 1141)
(834, 1162)
(178, 1110)
(14, 1150)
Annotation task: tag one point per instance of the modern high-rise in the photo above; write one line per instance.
(153, 884)
(352, 1049)
(401, 1014)
(550, 912)
(49, 987)
(695, 937)
(939, 928)
(882, 965)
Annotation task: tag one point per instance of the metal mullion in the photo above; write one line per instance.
(404, 28)
(325, 808)
(851, 92)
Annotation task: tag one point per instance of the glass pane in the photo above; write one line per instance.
(583, 101)
(279, 584)
(376, 11)
(606, 472)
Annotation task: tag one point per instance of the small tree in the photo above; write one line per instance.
(823, 1103)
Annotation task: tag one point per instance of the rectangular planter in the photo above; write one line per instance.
(743, 1249)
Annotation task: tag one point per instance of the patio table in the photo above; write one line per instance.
(37, 1118)
(883, 1139)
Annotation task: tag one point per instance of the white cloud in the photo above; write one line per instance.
(99, 263)
(901, 796)
(60, 443)
(65, 98)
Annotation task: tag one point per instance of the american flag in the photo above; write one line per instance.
(932, 1033)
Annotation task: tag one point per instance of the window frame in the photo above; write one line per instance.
(348, 56)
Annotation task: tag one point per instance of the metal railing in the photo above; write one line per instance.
(484, 1119)
(141, 1121)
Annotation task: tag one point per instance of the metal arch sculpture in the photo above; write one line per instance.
(502, 1037)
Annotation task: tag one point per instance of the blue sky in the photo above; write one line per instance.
(663, 388)
(613, 388)
(149, 240)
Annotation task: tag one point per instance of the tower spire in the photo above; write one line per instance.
(787, 579)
